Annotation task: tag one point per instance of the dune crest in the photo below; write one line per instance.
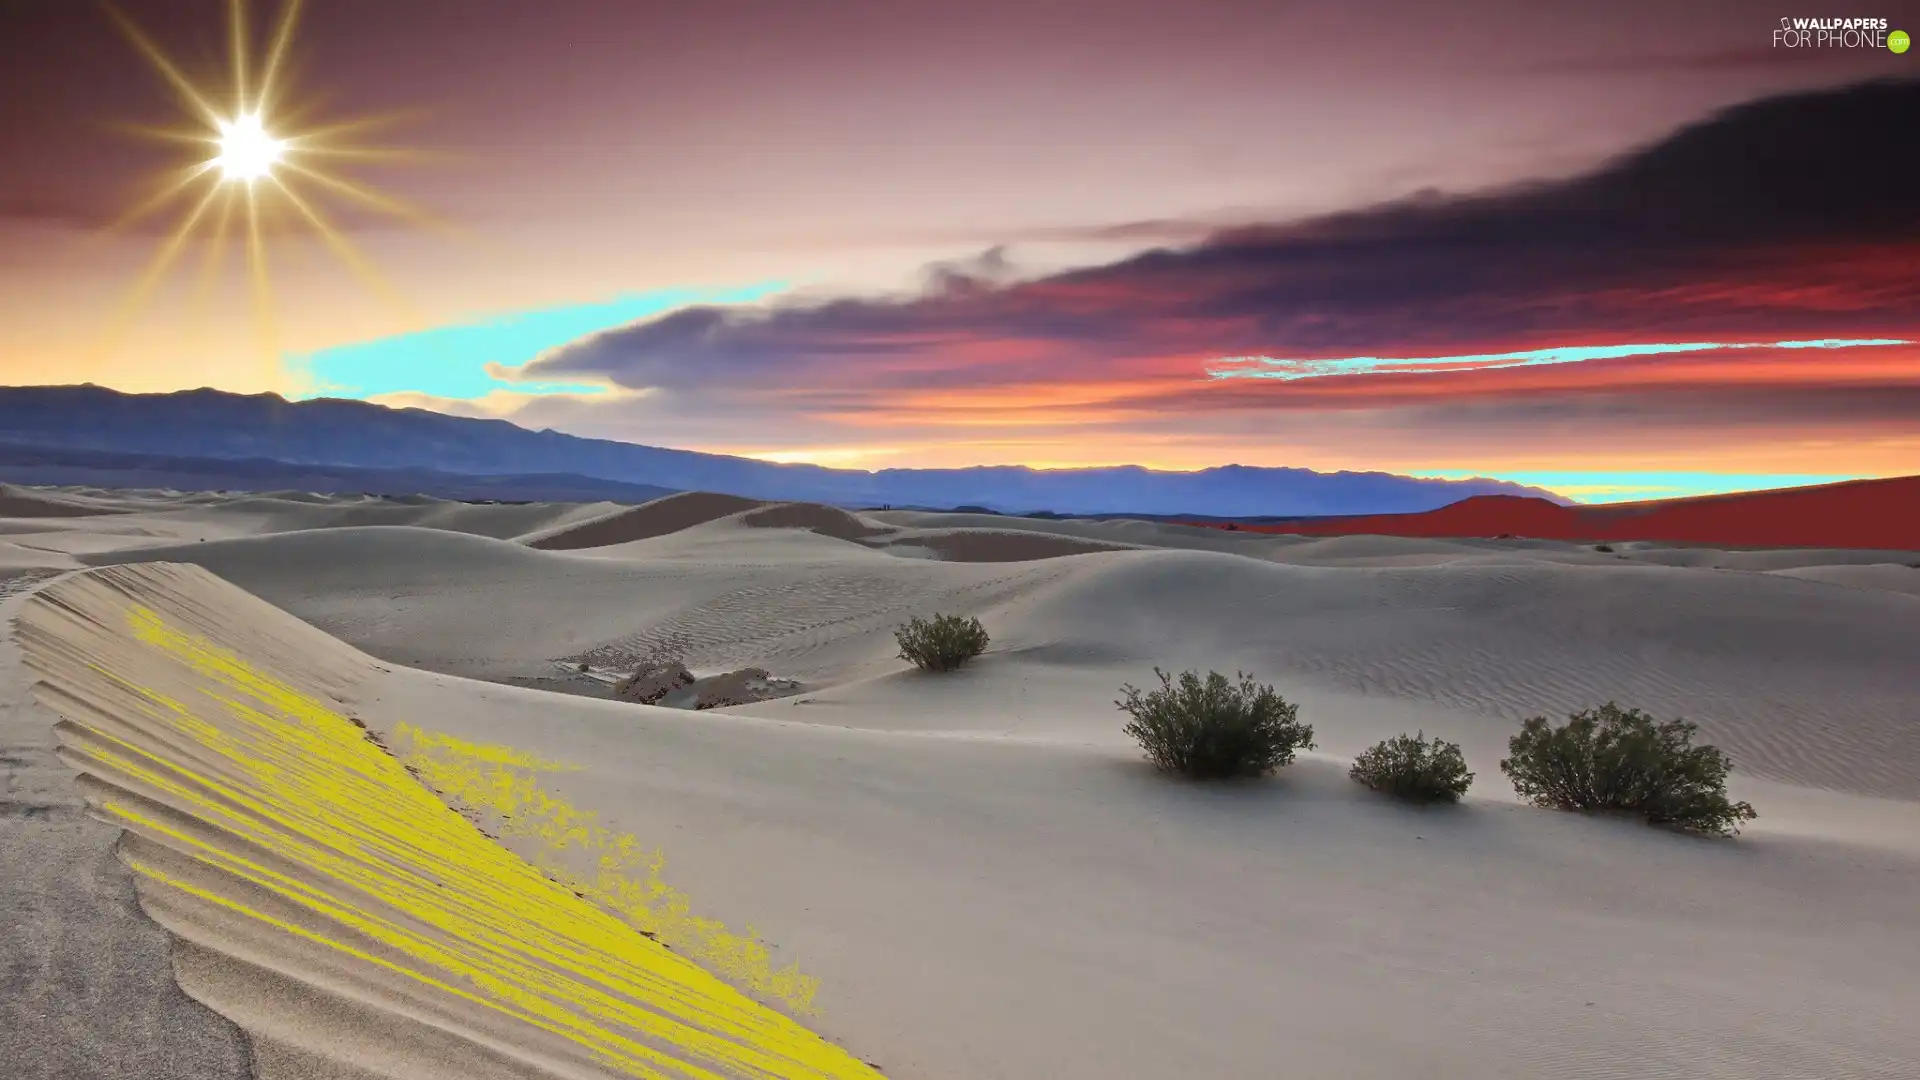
(1001, 545)
(323, 899)
(644, 522)
(825, 520)
(17, 502)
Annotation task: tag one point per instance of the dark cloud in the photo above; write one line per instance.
(1790, 216)
(1818, 167)
(985, 271)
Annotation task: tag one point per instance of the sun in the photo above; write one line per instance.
(247, 152)
(254, 160)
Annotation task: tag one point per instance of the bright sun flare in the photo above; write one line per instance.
(260, 163)
(247, 152)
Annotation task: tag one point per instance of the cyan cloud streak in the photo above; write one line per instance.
(468, 361)
(1615, 487)
(1267, 367)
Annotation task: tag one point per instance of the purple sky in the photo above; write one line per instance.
(594, 150)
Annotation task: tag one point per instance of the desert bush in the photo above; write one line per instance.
(1622, 760)
(941, 643)
(1604, 549)
(1414, 768)
(1214, 728)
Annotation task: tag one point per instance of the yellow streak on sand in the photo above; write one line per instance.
(400, 881)
(627, 879)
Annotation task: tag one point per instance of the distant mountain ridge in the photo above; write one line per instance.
(65, 466)
(210, 423)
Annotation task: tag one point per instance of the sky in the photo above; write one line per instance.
(1620, 250)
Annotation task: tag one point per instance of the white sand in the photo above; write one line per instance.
(990, 884)
(86, 983)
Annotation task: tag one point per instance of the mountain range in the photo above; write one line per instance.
(329, 432)
(64, 466)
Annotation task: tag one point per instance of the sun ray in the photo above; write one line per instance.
(156, 133)
(344, 250)
(155, 270)
(328, 134)
(396, 155)
(166, 193)
(366, 196)
(277, 52)
(237, 32)
(255, 144)
(265, 320)
(212, 260)
(187, 91)
(170, 248)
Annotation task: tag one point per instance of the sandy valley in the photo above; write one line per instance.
(983, 876)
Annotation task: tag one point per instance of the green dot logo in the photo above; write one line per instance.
(1898, 41)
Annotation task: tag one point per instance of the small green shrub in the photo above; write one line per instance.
(1214, 729)
(1414, 768)
(1621, 760)
(942, 643)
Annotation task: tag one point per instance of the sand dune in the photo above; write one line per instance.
(657, 518)
(24, 556)
(1800, 681)
(327, 903)
(919, 895)
(399, 552)
(998, 545)
(825, 520)
(1887, 577)
(1151, 533)
(697, 520)
(977, 868)
(88, 981)
(18, 502)
(501, 522)
(279, 513)
(492, 609)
